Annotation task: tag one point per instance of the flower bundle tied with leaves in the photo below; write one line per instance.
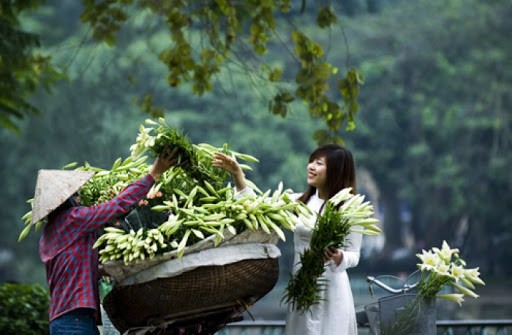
(343, 214)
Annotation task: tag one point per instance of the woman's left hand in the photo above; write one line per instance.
(334, 254)
(227, 163)
(231, 166)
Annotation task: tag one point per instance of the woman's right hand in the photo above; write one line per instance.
(231, 166)
(163, 163)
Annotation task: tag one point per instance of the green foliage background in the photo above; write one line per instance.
(432, 139)
(23, 309)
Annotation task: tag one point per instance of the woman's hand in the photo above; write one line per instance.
(231, 166)
(163, 163)
(226, 163)
(334, 254)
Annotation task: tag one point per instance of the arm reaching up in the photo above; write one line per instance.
(162, 164)
(230, 165)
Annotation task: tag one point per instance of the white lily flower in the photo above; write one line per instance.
(429, 260)
(455, 297)
(473, 275)
(151, 122)
(352, 204)
(445, 252)
(464, 290)
(443, 269)
(467, 283)
(369, 232)
(368, 222)
(458, 272)
(342, 195)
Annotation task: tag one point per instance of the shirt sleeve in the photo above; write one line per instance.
(351, 253)
(246, 192)
(91, 218)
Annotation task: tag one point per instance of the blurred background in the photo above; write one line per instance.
(432, 139)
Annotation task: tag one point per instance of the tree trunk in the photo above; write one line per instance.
(392, 222)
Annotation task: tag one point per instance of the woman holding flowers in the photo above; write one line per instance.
(330, 169)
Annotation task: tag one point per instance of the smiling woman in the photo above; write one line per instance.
(317, 173)
(320, 282)
(331, 169)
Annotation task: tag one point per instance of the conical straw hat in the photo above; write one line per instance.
(53, 188)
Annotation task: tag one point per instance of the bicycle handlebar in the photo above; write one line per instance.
(372, 280)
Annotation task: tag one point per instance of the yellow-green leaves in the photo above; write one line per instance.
(307, 49)
(207, 37)
(105, 18)
(326, 17)
(275, 74)
(313, 87)
(280, 104)
(349, 88)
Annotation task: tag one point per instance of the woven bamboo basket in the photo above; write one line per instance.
(201, 291)
(118, 271)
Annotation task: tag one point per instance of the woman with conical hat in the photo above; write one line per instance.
(66, 244)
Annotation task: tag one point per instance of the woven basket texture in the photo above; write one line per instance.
(119, 271)
(203, 289)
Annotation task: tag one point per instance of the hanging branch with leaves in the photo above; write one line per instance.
(227, 29)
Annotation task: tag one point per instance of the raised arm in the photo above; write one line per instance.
(162, 164)
(230, 165)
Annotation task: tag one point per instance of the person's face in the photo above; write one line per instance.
(76, 198)
(317, 172)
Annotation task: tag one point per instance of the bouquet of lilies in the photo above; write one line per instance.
(443, 267)
(440, 269)
(344, 213)
(191, 202)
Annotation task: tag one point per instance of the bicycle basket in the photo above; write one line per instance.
(402, 314)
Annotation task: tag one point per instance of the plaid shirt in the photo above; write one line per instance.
(66, 249)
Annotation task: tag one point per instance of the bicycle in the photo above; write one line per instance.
(397, 309)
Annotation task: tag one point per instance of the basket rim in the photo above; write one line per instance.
(119, 271)
(219, 256)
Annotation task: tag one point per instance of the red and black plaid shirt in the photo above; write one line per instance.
(66, 249)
